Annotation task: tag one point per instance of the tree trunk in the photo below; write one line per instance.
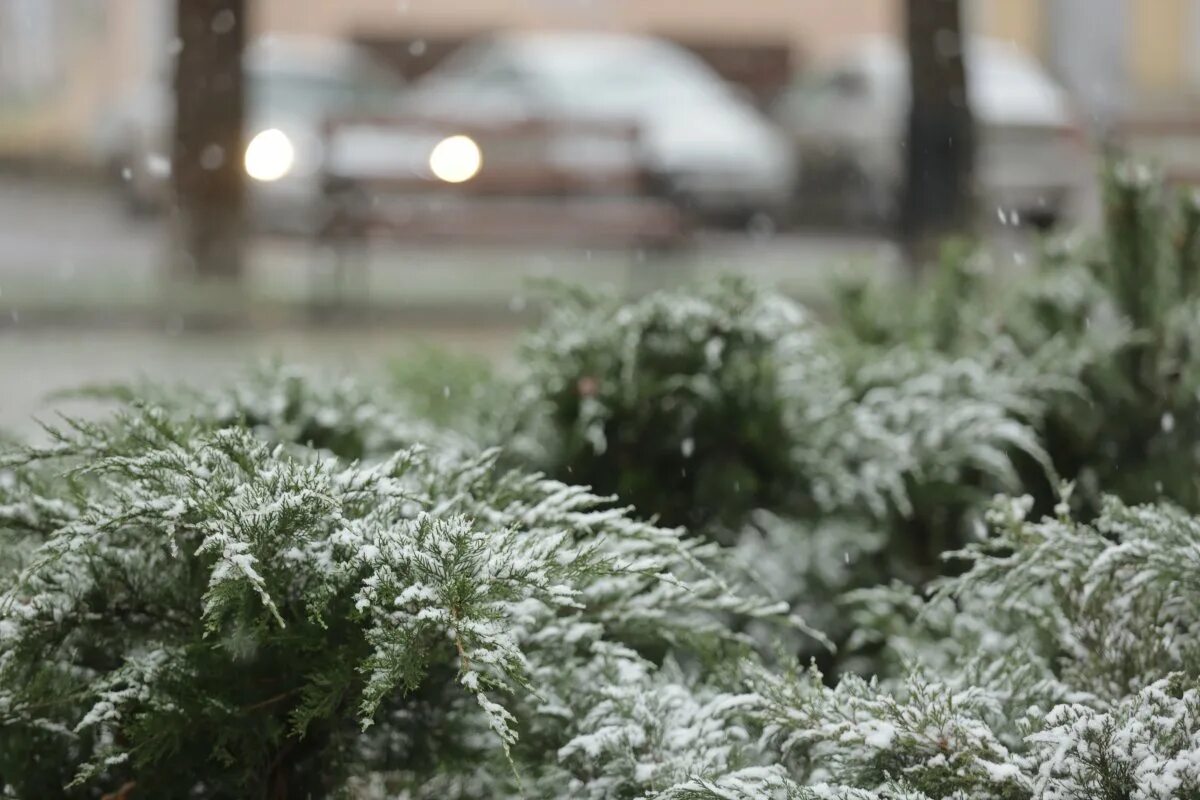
(206, 159)
(940, 144)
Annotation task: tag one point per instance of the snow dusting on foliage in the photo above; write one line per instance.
(198, 582)
(1074, 678)
(330, 587)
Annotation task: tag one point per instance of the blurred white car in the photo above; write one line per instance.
(847, 121)
(709, 147)
(293, 85)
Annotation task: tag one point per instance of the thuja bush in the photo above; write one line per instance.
(1062, 664)
(194, 606)
(723, 406)
(825, 464)
(1137, 438)
(678, 403)
(1117, 315)
(275, 591)
(344, 415)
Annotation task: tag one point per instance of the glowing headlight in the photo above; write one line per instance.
(270, 155)
(455, 159)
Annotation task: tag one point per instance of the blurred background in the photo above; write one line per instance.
(188, 185)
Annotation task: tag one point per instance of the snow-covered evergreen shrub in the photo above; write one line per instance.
(703, 405)
(200, 612)
(814, 563)
(1121, 316)
(464, 394)
(346, 415)
(677, 403)
(1063, 664)
(275, 591)
(725, 407)
(350, 417)
(1117, 316)
(829, 467)
(953, 431)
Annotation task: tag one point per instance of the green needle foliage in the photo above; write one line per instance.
(702, 406)
(729, 410)
(200, 612)
(1063, 664)
(312, 587)
(1117, 316)
(677, 403)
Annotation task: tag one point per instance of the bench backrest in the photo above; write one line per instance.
(520, 158)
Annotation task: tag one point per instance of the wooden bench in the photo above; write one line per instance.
(540, 181)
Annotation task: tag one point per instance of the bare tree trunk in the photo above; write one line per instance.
(940, 146)
(206, 159)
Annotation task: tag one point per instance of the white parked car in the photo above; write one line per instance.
(709, 146)
(293, 85)
(847, 121)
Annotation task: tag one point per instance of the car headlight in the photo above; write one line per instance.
(455, 159)
(270, 155)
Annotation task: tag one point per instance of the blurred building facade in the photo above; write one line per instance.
(62, 63)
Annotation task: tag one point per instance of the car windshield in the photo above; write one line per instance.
(620, 78)
(1006, 86)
